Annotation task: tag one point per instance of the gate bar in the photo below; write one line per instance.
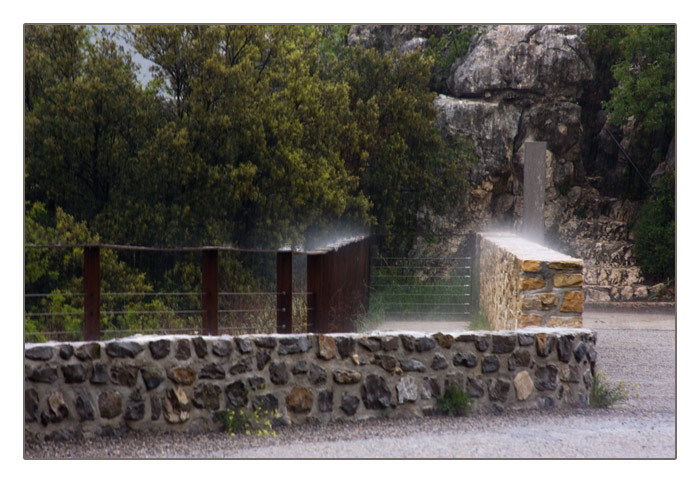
(91, 300)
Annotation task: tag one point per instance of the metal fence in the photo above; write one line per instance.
(317, 299)
(422, 288)
(437, 288)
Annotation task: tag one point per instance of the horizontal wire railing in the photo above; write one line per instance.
(93, 314)
(237, 324)
(234, 325)
(426, 288)
(425, 315)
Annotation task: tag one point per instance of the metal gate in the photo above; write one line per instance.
(422, 288)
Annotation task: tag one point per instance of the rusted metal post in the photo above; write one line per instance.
(338, 278)
(364, 266)
(317, 302)
(210, 292)
(284, 292)
(368, 271)
(91, 297)
(348, 285)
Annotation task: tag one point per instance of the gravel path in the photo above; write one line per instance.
(645, 428)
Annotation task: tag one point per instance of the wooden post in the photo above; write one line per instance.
(91, 297)
(284, 292)
(210, 292)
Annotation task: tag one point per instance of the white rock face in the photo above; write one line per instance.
(548, 60)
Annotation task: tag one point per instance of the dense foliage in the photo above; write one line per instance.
(247, 135)
(445, 49)
(655, 233)
(59, 272)
(636, 69)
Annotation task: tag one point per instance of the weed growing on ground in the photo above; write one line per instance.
(480, 322)
(604, 394)
(667, 292)
(244, 421)
(454, 402)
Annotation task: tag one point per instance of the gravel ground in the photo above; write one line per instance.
(644, 428)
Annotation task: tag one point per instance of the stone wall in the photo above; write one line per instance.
(524, 284)
(180, 383)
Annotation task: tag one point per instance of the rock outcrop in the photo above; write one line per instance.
(521, 83)
(405, 38)
(534, 60)
(524, 83)
(518, 83)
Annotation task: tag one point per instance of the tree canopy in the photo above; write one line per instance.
(256, 136)
(636, 67)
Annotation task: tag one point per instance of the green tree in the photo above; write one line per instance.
(254, 128)
(636, 71)
(52, 55)
(646, 80)
(406, 167)
(636, 67)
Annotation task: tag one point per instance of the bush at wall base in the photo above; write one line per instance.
(454, 403)
(257, 422)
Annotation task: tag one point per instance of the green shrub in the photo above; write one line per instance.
(604, 394)
(446, 49)
(244, 421)
(454, 402)
(655, 233)
(665, 293)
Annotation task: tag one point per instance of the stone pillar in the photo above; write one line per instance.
(534, 179)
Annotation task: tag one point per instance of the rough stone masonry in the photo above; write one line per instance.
(180, 383)
(523, 284)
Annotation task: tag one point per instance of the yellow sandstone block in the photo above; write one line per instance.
(573, 301)
(526, 320)
(531, 265)
(548, 300)
(575, 265)
(541, 301)
(531, 283)
(531, 302)
(568, 280)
